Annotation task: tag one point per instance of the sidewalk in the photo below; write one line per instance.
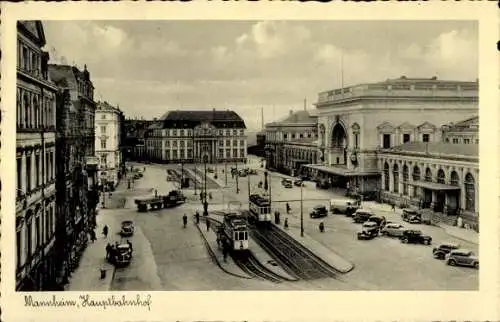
(320, 250)
(87, 275)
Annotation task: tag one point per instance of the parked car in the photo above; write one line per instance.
(318, 212)
(343, 206)
(379, 220)
(298, 183)
(242, 173)
(442, 250)
(362, 215)
(412, 216)
(171, 178)
(462, 257)
(369, 230)
(287, 183)
(415, 237)
(252, 172)
(393, 230)
(122, 255)
(127, 229)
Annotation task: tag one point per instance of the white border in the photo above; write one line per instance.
(277, 306)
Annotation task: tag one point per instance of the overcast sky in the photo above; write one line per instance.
(150, 67)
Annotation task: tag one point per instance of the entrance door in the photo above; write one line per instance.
(427, 198)
(439, 204)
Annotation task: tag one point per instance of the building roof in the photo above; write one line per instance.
(298, 117)
(105, 106)
(468, 125)
(438, 149)
(192, 118)
(403, 88)
(35, 30)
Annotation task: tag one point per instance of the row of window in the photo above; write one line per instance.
(36, 231)
(459, 140)
(28, 60)
(189, 132)
(189, 143)
(386, 139)
(34, 111)
(287, 136)
(469, 182)
(32, 174)
(188, 154)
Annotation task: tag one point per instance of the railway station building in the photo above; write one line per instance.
(193, 136)
(292, 142)
(357, 124)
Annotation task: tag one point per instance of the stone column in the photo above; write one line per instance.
(391, 178)
(445, 206)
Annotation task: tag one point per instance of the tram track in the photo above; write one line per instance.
(248, 263)
(300, 261)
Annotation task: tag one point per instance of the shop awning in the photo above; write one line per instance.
(435, 185)
(340, 171)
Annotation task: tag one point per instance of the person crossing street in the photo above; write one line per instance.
(184, 220)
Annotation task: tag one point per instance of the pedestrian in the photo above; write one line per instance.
(210, 195)
(321, 227)
(287, 208)
(286, 223)
(108, 251)
(184, 220)
(93, 236)
(393, 207)
(197, 215)
(208, 224)
(105, 231)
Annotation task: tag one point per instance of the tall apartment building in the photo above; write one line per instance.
(36, 254)
(108, 127)
(76, 166)
(193, 136)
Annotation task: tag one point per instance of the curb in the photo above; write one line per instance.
(455, 236)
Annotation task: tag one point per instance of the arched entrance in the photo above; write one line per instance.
(339, 144)
(440, 195)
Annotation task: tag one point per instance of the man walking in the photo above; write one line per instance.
(184, 220)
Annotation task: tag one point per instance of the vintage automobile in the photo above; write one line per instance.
(361, 215)
(127, 229)
(369, 230)
(318, 212)
(252, 172)
(298, 183)
(287, 183)
(415, 237)
(393, 230)
(412, 216)
(122, 255)
(171, 178)
(343, 206)
(442, 250)
(379, 220)
(462, 257)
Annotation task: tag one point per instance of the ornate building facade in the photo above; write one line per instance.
(188, 136)
(134, 139)
(76, 169)
(36, 254)
(292, 142)
(108, 129)
(441, 177)
(464, 132)
(358, 122)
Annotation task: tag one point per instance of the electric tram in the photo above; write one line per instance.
(260, 209)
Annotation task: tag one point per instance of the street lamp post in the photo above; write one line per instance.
(237, 177)
(301, 211)
(205, 203)
(225, 168)
(182, 175)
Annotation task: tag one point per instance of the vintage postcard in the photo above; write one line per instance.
(249, 161)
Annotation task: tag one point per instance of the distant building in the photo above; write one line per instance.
(36, 253)
(76, 166)
(191, 136)
(464, 132)
(108, 136)
(134, 139)
(292, 142)
(259, 148)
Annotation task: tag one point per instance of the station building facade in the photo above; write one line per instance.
(291, 142)
(356, 123)
(185, 136)
(441, 177)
